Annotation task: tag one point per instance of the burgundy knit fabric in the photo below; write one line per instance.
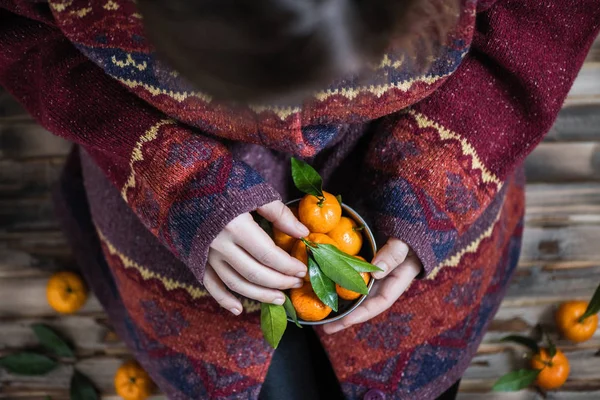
(431, 159)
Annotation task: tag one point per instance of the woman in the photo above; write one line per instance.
(430, 152)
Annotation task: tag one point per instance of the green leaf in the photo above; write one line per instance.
(551, 347)
(337, 269)
(52, 342)
(516, 380)
(522, 340)
(27, 363)
(356, 263)
(273, 322)
(47, 398)
(339, 198)
(290, 310)
(323, 286)
(82, 388)
(306, 179)
(593, 306)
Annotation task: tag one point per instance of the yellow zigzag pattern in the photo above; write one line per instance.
(137, 155)
(129, 61)
(169, 284)
(154, 91)
(486, 175)
(454, 260)
(81, 13)
(284, 112)
(111, 6)
(62, 6)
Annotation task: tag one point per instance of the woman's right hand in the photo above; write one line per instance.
(243, 259)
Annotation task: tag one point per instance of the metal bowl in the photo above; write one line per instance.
(368, 251)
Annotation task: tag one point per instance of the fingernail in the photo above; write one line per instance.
(279, 301)
(298, 285)
(301, 274)
(331, 331)
(302, 228)
(381, 265)
(235, 311)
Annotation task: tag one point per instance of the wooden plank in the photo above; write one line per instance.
(29, 178)
(27, 214)
(561, 244)
(21, 298)
(51, 243)
(90, 334)
(538, 285)
(529, 395)
(523, 320)
(100, 370)
(562, 204)
(564, 162)
(22, 264)
(9, 107)
(576, 123)
(521, 395)
(485, 369)
(587, 83)
(26, 139)
(594, 56)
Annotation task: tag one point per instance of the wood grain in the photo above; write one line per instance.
(564, 162)
(26, 139)
(29, 178)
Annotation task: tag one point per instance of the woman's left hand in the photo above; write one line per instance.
(400, 267)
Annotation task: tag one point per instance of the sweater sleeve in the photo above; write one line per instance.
(436, 168)
(184, 186)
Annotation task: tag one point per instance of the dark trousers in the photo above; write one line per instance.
(300, 370)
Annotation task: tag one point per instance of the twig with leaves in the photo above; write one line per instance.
(31, 363)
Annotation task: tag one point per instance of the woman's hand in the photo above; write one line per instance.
(400, 267)
(243, 259)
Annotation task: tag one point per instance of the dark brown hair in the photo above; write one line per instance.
(266, 50)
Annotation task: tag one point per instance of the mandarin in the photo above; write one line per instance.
(554, 372)
(347, 235)
(307, 304)
(66, 292)
(320, 215)
(132, 382)
(567, 320)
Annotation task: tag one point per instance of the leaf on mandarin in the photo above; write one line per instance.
(291, 311)
(52, 341)
(516, 380)
(339, 198)
(337, 269)
(323, 287)
(524, 341)
(273, 322)
(593, 306)
(306, 179)
(27, 363)
(356, 263)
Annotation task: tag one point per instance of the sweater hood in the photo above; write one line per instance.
(111, 33)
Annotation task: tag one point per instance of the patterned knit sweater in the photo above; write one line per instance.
(434, 154)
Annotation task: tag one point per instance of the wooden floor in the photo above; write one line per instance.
(560, 259)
